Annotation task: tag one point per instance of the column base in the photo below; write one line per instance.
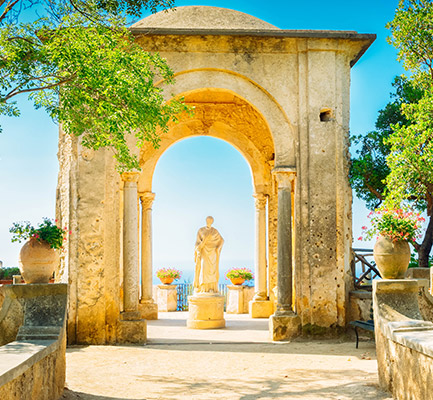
(148, 309)
(261, 308)
(284, 327)
(131, 331)
(206, 311)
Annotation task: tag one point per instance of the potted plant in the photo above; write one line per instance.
(39, 255)
(239, 275)
(394, 229)
(168, 275)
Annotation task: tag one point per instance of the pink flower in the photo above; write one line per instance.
(363, 228)
(360, 238)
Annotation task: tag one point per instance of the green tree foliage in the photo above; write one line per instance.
(411, 146)
(369, 169)
(77, 60)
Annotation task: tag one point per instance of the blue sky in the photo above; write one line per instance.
(199, 176)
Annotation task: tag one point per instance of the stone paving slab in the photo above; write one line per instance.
(179, 363)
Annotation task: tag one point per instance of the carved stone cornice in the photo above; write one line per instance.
(146, 199)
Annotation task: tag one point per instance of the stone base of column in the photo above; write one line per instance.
(261, 308)
(206, 311)
(284, 327)
(148, 309)
(166, 298)
(238, 297)
(131, 331)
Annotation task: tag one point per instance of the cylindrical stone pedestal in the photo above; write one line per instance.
(206, 311)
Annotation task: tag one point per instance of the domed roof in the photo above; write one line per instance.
(203, 17)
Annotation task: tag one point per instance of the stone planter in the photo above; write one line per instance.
(392, 258)
(237, 281)
(37, 261)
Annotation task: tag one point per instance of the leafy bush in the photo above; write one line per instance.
(168, 273)
(47, 231)
(243, 273)
(7, 273)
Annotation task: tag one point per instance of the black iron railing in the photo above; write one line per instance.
(186, 289)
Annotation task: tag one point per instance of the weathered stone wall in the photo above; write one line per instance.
(11, 315)
(88, 203)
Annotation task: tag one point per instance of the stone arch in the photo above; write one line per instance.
(282, 131)
(222, 114)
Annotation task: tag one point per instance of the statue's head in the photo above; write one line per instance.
(209, 221)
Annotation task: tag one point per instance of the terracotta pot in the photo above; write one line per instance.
(167, 281)
(237, 281)
(392, 258)
(6, 281)
(37, 261)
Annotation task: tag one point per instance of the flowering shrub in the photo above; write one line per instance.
(395, 224)
(47, 231)
(168, 273)
(243, 273)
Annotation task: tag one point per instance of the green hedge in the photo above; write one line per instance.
(7, 273)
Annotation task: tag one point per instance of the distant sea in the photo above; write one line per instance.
(187, 268)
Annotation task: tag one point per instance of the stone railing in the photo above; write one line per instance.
(404, 340)
(32, 365)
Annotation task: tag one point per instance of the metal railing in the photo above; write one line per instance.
(186, 289)
(368, 270)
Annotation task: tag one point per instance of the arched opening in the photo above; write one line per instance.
(220, 114)
(194, 178)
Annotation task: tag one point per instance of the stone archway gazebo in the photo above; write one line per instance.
(281, 97)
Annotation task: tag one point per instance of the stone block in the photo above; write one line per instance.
(261, 308)
(131, 332)
(167, 298)
(238, 297)
(418, 273)
(284, 327)
(206, 311)
(148, 310)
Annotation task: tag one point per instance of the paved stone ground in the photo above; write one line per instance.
(235, 363)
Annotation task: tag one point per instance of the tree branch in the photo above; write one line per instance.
(16, 91)
(8, 7)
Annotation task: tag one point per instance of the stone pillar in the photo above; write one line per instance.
(131, 329)
(260, 306)
(147, 307)
(284, 324)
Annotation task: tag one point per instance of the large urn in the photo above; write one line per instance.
(392, 257)
(37, 261)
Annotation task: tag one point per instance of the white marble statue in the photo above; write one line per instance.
(207, 256)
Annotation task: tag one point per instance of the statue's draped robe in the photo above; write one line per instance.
(206, 255)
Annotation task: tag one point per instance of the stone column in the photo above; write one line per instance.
(131, 329)
(147, 306)
(284, 324)
(260, 306)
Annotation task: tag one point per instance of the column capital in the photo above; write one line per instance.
(261, 200)
(131, 176)
(146, 199)
(285, 176)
